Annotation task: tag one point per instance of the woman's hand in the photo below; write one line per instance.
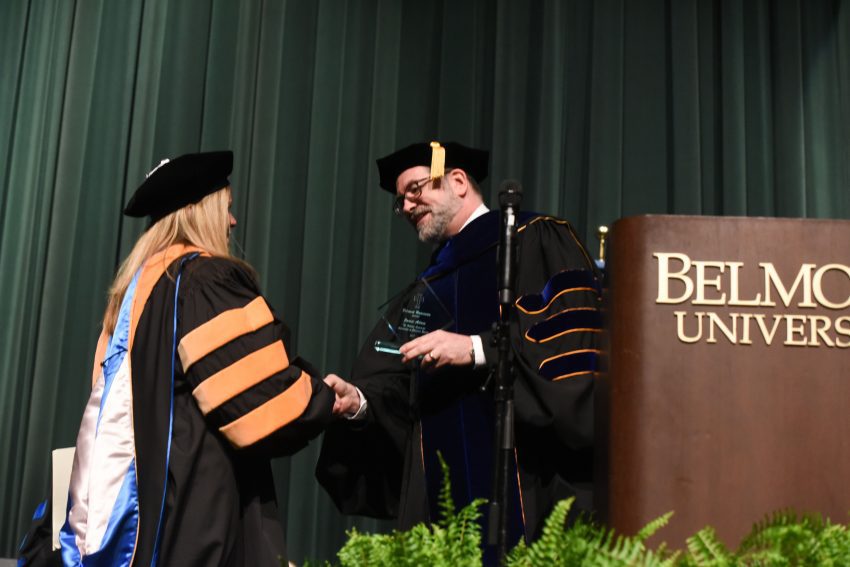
(346, 399)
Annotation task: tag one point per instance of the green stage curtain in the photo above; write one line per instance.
(601, 109)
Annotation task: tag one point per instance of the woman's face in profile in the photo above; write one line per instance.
(230, 217)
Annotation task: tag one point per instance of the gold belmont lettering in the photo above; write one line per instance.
(715, 322)
(707, 285)
(680, 327)
(768, 336)
(703, 282)
(819, 288)
(664, 277)
(842, 327)
(745, 329)
(791, 329)
(800, 330)
(734, 287)
(820, 325)
(772, 277)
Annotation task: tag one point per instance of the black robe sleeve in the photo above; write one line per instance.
(362, 462)
(233, 351)
(555, 338)
(555, 333)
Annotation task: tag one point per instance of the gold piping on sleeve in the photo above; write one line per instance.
(542, 219)
(561, 334)
(557, 295)
(519, 489)
(569, 228)
(572, 375)
(555, 336)
(570, 309)
(572, 352)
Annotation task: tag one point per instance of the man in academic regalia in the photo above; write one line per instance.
(194, 389)
(435, 395)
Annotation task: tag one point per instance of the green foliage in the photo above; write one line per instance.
(455, 540)
(584, 543)
(706, 550)
(783, 539)
(786, 539)
(649, 529)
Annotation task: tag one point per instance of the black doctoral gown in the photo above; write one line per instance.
(239, 400)
(385, 466)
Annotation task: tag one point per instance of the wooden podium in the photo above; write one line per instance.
(727, 393)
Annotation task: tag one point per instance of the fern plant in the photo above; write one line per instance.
(706, 550)
(783, 539)
(584, 543)
(788, 539)
(454, 541)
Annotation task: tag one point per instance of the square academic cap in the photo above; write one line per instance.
(449, 156)
(182, 181)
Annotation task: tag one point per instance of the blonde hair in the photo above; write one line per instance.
(206, 224)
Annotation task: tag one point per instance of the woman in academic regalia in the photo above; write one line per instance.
(194, 389)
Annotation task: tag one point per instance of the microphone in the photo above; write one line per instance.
(510, 197)
(510, 193)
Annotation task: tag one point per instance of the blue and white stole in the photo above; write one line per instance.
(103, 500)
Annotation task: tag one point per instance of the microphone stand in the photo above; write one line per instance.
(510, 195)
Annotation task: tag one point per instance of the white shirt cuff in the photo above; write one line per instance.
(478, 349)
(361, 411)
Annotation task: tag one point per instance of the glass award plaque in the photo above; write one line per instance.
(420, 311)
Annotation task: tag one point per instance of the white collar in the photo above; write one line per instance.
(481, 210)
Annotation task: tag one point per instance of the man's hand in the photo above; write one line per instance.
(439, 348)
(346, 399)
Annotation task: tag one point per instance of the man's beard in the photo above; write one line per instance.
(434, 228)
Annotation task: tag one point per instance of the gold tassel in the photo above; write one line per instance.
(438, 160)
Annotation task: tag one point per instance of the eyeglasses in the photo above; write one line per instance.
(412, 191)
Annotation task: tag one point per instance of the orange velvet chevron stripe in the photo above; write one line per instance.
(271, 416)
(222, 329)
(154, 267)
(239, 376)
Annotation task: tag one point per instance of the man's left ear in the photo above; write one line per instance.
(460, 182)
